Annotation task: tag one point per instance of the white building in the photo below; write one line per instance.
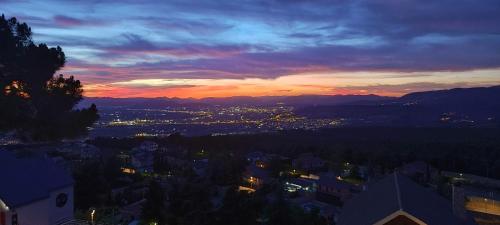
(34, 191)
(149, 146)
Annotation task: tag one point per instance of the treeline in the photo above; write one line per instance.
(467, 150)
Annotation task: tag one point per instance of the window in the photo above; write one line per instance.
(61, 200)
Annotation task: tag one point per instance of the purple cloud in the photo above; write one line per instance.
(136, 45)
(66, 21)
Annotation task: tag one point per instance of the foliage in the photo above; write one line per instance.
(94, 181)
(154, 209)
(282, 212)
(91, 188)
(34, 102)
(225, 169)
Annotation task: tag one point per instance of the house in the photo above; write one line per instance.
(327, 211)
(259, 159)
(397, 199)
(200, 167)
(471, 178)
(142, 161)
(419, 171)
(301, 185)
(255, 156)
(256, 176)
(148, 146)
(481, 201)
(263, 160)
(34, 191)
(333, 190)
(308, 162)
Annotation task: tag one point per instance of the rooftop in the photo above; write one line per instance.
(333, 182)
(397, 193)
(25, 180)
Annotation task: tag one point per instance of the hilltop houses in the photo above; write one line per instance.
(308, 162)
(148, 146)
(333, 190)
(142, 161)
(256, 177)
(142, 157)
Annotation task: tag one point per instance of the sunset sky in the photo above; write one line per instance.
(213, 48)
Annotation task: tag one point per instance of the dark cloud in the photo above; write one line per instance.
(272, 38)
(136, 44)
(195, 27)
(394, 58)
(305, 35)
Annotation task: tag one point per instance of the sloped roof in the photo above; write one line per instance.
(333, 182)
(257, 172)
(302, 182)
(398, 193)
(25, 180)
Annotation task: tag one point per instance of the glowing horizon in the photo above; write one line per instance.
(304, 84)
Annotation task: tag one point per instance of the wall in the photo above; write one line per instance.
(60, 213)
(46, 212)
(36, 213)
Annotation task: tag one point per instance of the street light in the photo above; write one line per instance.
(92, 213)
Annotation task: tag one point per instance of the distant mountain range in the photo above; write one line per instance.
(302, 101)
(460, 107)
(481, 97)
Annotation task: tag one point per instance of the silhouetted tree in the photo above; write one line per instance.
(154, 209)
(34, 102)
(91, 187)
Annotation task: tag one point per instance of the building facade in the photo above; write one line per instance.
(34, 191)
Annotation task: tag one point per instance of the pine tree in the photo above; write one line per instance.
(33, 101)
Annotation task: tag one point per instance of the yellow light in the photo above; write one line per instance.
(128, 170)
(92, 215)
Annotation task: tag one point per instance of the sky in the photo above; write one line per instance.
(208, 48)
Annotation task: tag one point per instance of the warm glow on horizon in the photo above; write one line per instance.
(339, 83)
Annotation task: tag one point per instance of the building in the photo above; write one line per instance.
(200, 167)
(261, 159)
(300, 185)
(256, 176)
(308, 162)
(419, 171)
(332, 190)
(149, 146)
(398, 200)
(142, 161)
(327, 211)
(253, 157)
(34, 191)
